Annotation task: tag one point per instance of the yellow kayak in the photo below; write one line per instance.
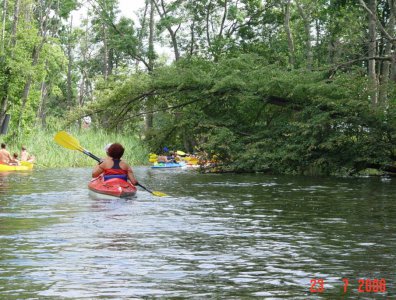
(23, 167)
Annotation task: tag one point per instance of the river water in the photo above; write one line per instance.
(215, 237)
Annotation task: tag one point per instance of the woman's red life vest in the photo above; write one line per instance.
(115, 170)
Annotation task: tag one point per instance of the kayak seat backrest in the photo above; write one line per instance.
(121, 176)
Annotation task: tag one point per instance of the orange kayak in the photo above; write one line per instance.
(114, 187)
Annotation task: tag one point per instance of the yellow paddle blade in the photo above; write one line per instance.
(67, 141)
(159, 194)
(181, 153)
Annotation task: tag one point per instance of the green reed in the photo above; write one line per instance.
(50, 155)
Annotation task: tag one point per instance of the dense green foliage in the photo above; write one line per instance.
(49, 154)
(256, 117)
(296, 87)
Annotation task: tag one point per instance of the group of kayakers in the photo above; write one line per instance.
(14, 160)
(178, 157)
(172, 157)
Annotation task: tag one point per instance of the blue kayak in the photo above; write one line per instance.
(167, 165)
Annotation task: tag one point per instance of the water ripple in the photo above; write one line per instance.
(228, 236)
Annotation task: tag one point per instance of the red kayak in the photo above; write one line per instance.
(115, 187)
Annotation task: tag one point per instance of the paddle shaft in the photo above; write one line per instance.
(86, 152)
(143, 187)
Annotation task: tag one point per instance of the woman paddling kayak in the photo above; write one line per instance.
(112, 174)
(113, 165)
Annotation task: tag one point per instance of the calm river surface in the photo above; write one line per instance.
(215, 237)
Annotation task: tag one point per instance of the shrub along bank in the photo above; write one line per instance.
(50, 155)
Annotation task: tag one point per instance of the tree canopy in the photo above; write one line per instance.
(294, 86)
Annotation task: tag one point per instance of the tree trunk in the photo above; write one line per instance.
(151, 55)
(4, 100)
(192, 41)
(208, 12)
(372, 51)
(35, 57)
(392, 5)
(15, 23)
(148, 120)
(69, 65)
(386, 65)
(7, 71)
(290, 42)
(318, 30)
(105, 53)
(110, 61)
(25, 96)
(43, 101)
(223, 19)
(172, 33)
(331, 49)
(4, 18)
(146, 7)
(393, 68)
(307, 29)
(83, 89)
(174, 43)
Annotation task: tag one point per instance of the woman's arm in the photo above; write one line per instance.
(97, 170)
(131, 176)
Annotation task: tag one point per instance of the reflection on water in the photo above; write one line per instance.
(217, 236)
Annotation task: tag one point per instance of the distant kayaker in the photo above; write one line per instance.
(5, 156)
(172, 157)
(162, 159)
(14, 161)
(25, 155)
(113, 166)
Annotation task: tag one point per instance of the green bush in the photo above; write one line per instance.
(49, 154)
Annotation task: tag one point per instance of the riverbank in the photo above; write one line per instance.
(219, 168)
(50, 155)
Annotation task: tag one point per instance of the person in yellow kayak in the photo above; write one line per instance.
(113, 167)
(25, 155)
(5, 156)
(14, 161)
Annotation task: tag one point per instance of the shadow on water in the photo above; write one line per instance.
(216, 236)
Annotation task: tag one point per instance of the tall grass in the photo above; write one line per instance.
(50, 155)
